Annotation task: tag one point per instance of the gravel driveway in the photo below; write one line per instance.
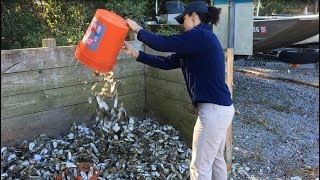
(276, 129)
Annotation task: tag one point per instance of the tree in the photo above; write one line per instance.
(296, 7)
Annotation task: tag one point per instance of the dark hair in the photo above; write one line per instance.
(209, 18)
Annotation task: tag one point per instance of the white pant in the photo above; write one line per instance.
(209, 136)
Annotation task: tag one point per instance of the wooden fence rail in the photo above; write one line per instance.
(43, 91)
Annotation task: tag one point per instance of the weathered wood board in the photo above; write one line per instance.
(43, 90)
(180, 115)
(37, 101)
(30, 81)
(56, 122)
(167, 99)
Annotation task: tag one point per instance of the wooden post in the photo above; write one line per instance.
(230, 60)
(229, 79)
(49, 42)
(132, 36)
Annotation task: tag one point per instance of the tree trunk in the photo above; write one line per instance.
(306, 10)
(316, 4)
(258, 8)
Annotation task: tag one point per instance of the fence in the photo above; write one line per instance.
(44, 90)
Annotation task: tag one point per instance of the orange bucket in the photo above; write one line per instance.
(102, 42)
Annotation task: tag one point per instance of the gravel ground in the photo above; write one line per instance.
(276, 129)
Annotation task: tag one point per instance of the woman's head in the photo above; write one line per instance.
(190, 20)
(198, 12)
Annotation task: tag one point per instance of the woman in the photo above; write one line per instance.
(197, 51)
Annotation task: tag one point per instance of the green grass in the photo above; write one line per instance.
(285, 107)
(253, 121)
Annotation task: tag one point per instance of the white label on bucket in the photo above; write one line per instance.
(94, 34)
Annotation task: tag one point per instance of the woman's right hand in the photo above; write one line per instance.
(128, 49)
(133, 25)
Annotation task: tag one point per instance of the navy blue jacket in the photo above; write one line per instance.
(200, 56)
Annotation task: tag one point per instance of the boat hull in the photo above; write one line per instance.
(275, 33)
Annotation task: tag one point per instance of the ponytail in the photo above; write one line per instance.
(214, 15)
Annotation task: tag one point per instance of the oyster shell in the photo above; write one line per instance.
(116, 147)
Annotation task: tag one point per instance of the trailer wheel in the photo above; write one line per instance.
(299, 57)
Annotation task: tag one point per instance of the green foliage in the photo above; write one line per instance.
(285, 107)
(67, 21)
(163, 29)
(133, 9)
(167, 30)
(19, 27)
(270, 7)
(24, 23)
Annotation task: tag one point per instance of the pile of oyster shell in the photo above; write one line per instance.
(116, 147)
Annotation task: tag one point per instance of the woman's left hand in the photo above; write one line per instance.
(128, 49)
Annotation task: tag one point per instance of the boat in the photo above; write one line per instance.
(271, 32)
(311, 40)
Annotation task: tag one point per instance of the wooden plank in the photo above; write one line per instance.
(52, 122)
(134, 104)
(56, 122)
(229, 79)
(174, 75)
(268, 76)
(148, 50)
(19, 60)
(49, 42)
(179, 114)
(229, 67)
(169, 89)
(171, 75)
(36, 58)
(22, 104)
(29, 81)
